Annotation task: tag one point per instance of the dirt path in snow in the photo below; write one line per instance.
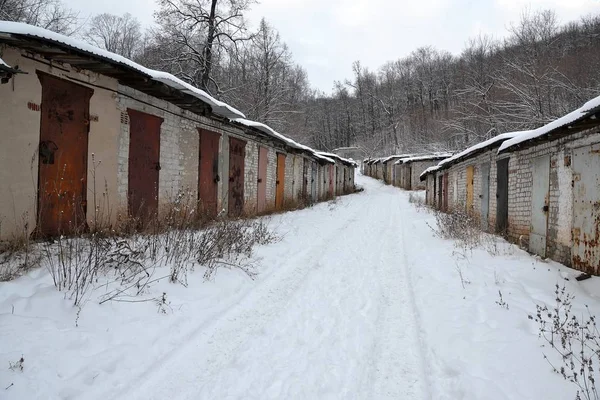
(336, 320)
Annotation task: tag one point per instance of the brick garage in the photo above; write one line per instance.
(108, 93)
(408, 170)
(476, 159)
(553, 197)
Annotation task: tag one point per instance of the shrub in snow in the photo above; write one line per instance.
(417, 199)
(460, 226)
(575, 340)
(17, 365)
(18, 254)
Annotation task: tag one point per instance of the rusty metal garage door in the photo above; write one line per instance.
(144, 164)
(263, 154)
(63, 156)
(280, 182)
(237, 154)
(586, 209)
(208, 172)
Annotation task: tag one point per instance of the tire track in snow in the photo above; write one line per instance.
(400, 372)
(336, 320)
(209, 347)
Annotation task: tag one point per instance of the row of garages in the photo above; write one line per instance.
(87, 133)
(540, 188)
(402, 170)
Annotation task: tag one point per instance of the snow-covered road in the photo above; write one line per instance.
(358, 300)
(336, 319)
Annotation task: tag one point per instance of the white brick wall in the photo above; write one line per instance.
(289, 178)
(251, 177)
(271, 178)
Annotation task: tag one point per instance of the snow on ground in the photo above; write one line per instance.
(359, 300)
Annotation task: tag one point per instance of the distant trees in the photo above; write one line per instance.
(432, 100)
(428, 101)
(48, 14)
(117, 34)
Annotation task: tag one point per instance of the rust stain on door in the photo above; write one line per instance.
(280, 182)
(445, 189)
(237, 154)
(262, 179)
(470, 178)
(144, 164)
(586, 209)
(63, 157)
(208, 172)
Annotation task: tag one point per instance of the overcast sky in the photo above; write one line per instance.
(326, 36)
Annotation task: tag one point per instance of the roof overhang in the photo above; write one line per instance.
(57, 52)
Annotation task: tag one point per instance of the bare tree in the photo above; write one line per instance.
(118, 34)
(48, 14)
(203, 32)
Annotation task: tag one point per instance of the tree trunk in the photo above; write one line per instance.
(207, 65)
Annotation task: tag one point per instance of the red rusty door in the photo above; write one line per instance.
(63, 153)
(237, 153)
(208, 172)
(263, 153)
(144, 164)
(280, 182)
(445, 193)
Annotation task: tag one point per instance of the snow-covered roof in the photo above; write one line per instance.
(428, 171)
(426, 157)
(496, 140)
(218, 107)
(273, 133)
(17, 28)
(584, 111)
(342, 159)
(390, 158)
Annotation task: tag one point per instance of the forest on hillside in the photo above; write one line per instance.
(430, 100)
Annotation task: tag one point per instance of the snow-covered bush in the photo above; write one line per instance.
(575, 341)
(460, 226)
(417, 199)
